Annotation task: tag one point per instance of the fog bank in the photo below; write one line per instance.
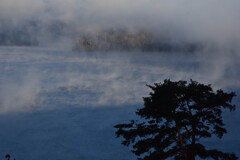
(211, 23)
(40, 78)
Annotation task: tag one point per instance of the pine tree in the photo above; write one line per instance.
(175, 116)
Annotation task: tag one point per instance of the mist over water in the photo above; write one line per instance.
(213, 24)
(34, 78)
(54, 100)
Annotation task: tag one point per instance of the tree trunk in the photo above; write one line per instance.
(181, 143)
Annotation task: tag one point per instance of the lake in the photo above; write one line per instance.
(61, 104)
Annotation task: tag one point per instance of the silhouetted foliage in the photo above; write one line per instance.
(7, 156)
(176, 115)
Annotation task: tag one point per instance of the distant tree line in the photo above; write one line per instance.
(125, 40)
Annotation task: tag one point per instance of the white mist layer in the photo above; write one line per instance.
(206, 22)
(38, 78)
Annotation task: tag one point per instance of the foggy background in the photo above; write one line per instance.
(214, 24)
(56, 103)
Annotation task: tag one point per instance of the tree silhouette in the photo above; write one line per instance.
(175, 116)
